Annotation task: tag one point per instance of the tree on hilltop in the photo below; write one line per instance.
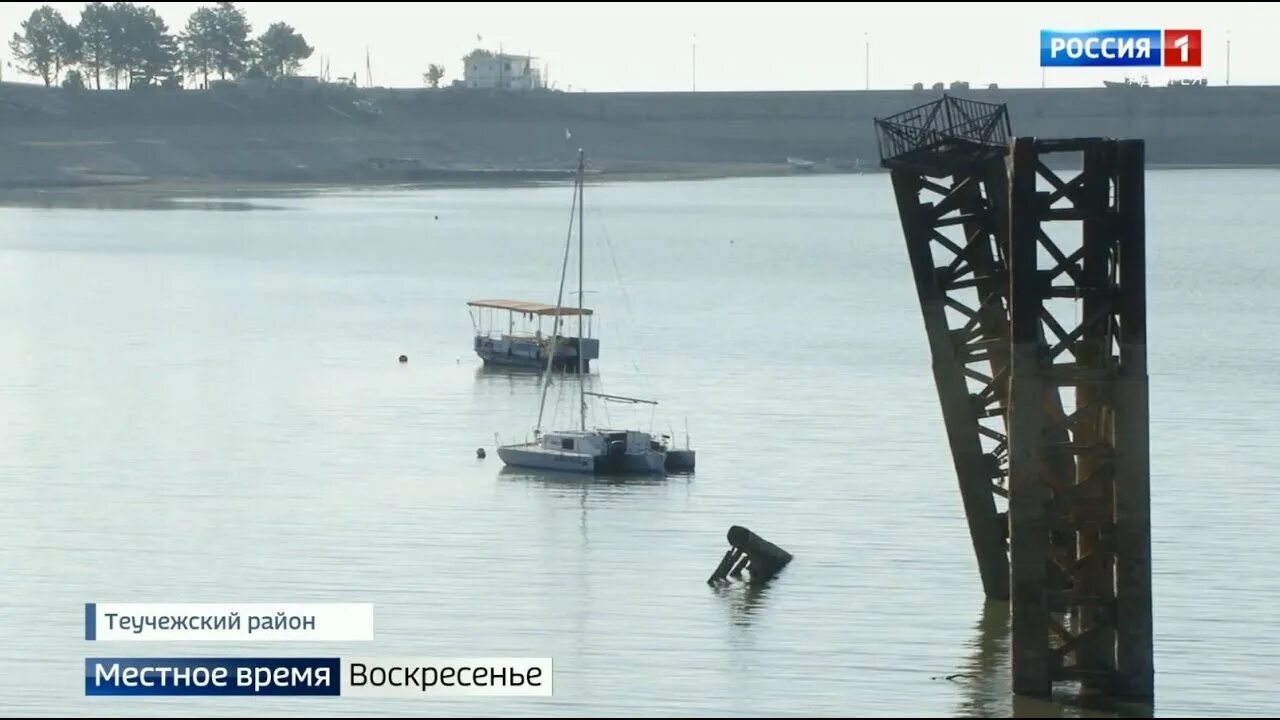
(67, 53)
(433, 75)
(131, 43)
(281, 50)
(74, 80)
(41, 48)
(216, 39)
(119, 17)
(94, 30)
(151, 53)
(232, 50)
(197, 42)
(139, 48)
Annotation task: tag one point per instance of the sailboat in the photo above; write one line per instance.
(583, 449)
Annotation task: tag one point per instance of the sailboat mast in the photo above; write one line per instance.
(555, 331)
(582, 383)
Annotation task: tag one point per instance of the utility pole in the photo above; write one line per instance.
(695, 62)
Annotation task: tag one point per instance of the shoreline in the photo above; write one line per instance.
(62, 146)
(230, 193)
(233, 193)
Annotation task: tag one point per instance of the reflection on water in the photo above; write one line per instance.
(219, 204)
(988, 688)
(553, 479)
(515, 383)
(744, 600)
(521, 377)
(510, 372)
(1067, 703)
(985, 677)
(122, 199)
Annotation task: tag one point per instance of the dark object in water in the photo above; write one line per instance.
(480, 453)
(404, 358)
(749, 552)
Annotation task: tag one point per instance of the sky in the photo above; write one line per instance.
(624, 47)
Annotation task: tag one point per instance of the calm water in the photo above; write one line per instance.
(204, 405)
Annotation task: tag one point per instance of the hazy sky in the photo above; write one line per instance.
(760, 46)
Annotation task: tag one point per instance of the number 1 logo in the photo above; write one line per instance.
(1181, 48)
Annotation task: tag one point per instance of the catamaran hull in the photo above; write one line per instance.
(539, 459)
(638, 464)
(535, 459)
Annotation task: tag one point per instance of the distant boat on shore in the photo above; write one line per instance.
(800, 164)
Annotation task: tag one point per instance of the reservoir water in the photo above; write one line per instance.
(205, 405)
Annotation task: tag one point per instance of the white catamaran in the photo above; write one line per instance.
(596, 451)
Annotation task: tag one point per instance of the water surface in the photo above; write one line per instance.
(202, 405)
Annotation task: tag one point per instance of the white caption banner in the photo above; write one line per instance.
(239, 622)
(446, 677)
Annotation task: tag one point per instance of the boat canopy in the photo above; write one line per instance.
(527, 307)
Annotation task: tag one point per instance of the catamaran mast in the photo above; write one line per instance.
(582, 382)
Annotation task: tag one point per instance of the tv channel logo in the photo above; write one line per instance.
(1119, 48)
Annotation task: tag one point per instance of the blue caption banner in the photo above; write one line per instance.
(1100, 48)
(136, 676)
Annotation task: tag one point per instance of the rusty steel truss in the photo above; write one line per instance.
(949, 179)
(1078, 277)
(1013, 320)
